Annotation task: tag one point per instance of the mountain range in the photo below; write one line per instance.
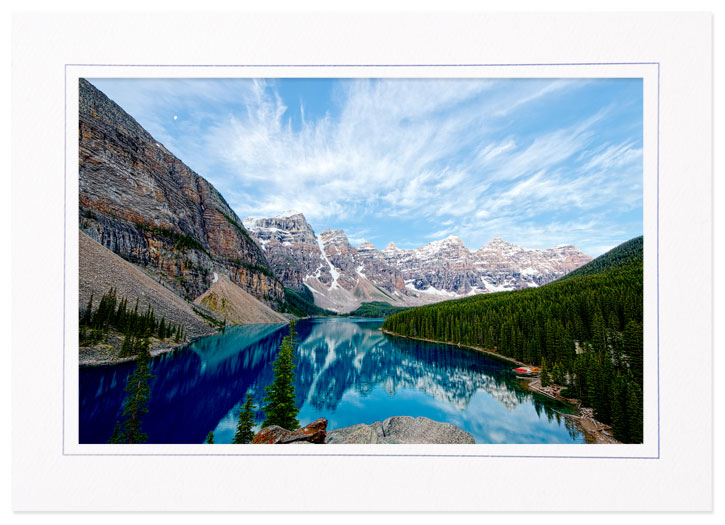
(341, 277)
(144, 216)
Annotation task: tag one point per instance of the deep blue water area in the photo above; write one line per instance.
(348, 372)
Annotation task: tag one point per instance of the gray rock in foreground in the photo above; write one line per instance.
(401, 430)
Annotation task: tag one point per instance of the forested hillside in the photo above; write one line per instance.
(624, 254)
(376, 309)
(585, 331)
(302, 304)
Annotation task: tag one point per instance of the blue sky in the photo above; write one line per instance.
(537, 162)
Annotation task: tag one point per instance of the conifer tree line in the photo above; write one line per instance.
(599, 314)
(115, 314)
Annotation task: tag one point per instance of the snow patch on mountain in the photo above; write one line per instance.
(432, 290)
(359, 271)
(335, 274)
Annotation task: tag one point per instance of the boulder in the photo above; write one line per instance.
(361, 434)
(401, 430)
(315, 432)
(406, 429)
(270, 435)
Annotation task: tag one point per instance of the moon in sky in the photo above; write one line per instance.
(176, 117)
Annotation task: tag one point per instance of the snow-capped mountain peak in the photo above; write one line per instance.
(340, 276)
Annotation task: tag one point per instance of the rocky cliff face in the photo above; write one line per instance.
(341, 276)
(506, 266)
(140, 201)
(379, 271)
(291, 248)
(447, 268)
(362, 264)
(444, 267)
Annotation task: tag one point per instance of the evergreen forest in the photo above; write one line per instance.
(114, 315)
(584, 330)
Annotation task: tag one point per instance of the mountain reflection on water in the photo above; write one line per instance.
(348, 372)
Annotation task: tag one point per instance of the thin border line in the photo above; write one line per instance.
(368, 65)
(65, 248)
(380, 455)
(658, 261)
(65, 230)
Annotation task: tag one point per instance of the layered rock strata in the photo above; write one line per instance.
(141, 202)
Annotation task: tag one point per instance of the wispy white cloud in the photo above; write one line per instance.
(477, 158)
(397, 142)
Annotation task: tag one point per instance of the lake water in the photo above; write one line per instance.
(348, 372)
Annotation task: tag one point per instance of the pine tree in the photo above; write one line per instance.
(634, 414)
(604, 377)
(210, 438)
(633, 344)
(544, 374)
(127, 346)
(138, 393)
(619, 413)
(245, 423)
(557, 375)
(116, 436)
(599, 333)
(280, 408)
(88, 314)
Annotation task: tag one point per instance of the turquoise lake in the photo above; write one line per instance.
(348, 372)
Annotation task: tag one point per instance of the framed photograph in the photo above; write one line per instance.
(450, 265)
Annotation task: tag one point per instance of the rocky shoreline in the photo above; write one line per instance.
(594, 431)
(105, 355)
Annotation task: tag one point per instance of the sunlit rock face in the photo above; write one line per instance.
(339, 276)
(291, 247)
(141, 202)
